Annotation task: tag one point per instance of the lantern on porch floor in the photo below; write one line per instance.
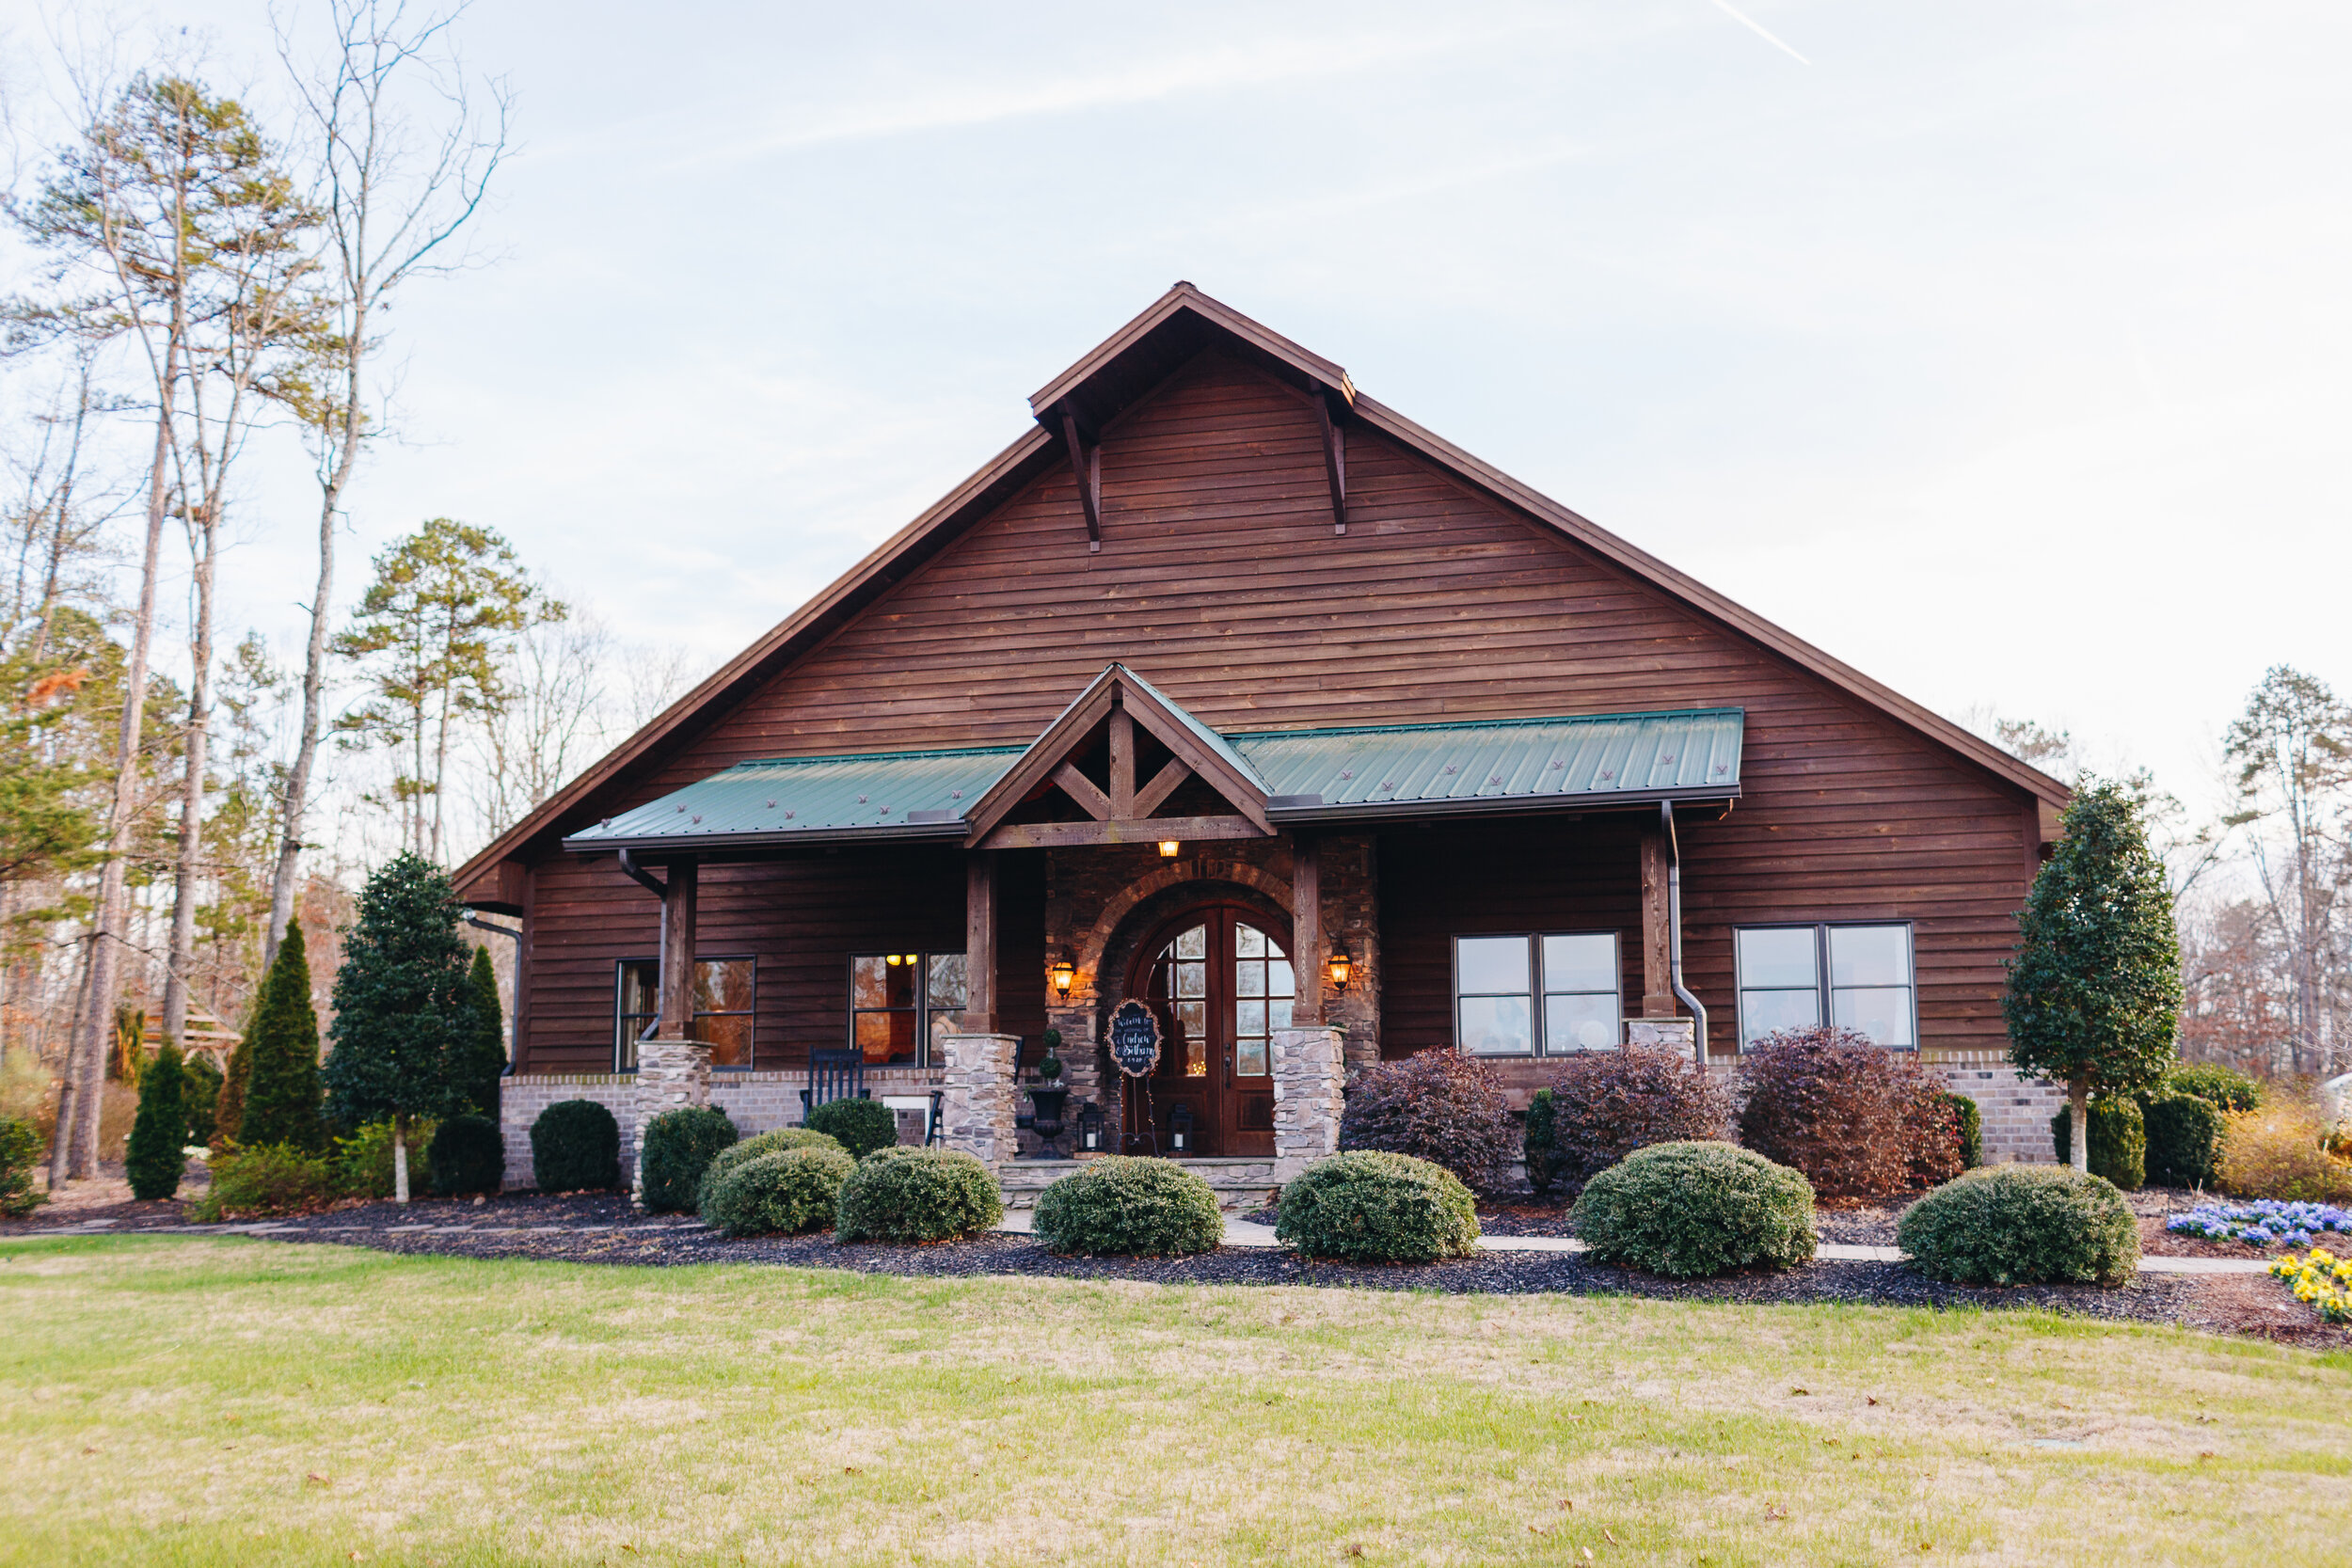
(1179, 1129)
(1089, 1128)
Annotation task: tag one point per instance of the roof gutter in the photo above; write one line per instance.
(1674, 930)
(1310, 808)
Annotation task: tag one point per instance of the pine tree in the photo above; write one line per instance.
(485, 1056)
(406, 1013)
(157, 1154)
(2094, 992)
(281, 1090)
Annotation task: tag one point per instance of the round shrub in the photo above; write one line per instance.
(2119, 1140)
(2184, 1136)
(784, 1191)
(775, 1142)
(1691, 1209)
(917, 1195)
(1144, 1208)
(468, 1155)
(576, 1147)
(2023, 1225)
(860, 1126)
(1971, 1123)
(680, 1146)
(1604, 1104)
(1370, 1207)
(1858, 1119)
(1440, 1106)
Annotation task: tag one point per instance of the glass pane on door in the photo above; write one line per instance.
(1261, 973)
(1180, 983)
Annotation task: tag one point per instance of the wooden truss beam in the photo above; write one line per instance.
(1162, 785)
(1086, 466)
(1081, 790)
(1062, 836)
(1334, 456)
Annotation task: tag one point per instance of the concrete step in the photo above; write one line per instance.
(1239, 1183)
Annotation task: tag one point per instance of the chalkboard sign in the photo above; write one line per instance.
(1134, 1038)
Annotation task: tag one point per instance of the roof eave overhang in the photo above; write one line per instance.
(706, 845)
(1500, 805)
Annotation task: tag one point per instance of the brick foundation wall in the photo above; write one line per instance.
(2015, 1114)
(754, 1101)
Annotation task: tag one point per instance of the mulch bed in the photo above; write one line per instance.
(559, 1228)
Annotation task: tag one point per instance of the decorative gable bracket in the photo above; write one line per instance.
(1119, 702)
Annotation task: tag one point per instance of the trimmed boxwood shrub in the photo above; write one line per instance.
(917, 1195)
(1971, 1123)
(2184, 1136)
(576, 1147)
(1440, 1106)
(1370, 1207)
(2119, 1140)
(1144, 1208)
(2023, 1225)
(774, 1142)
(468, 1155)
(1691, 1209)
(1859, 1120)
(20, 1151)
(1602, 1105)
(860, 1126)
(680, 1146)
(783, 1190)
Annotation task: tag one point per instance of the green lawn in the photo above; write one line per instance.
(173, 1400)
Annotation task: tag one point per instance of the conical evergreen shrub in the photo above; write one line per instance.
(482, 1059)
(282, 1093)
(156, 1154)
(200, 1091)
(229, 1105)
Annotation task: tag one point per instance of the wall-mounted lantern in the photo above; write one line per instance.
(1342, 969)
(1169, 848)
(1065, 974)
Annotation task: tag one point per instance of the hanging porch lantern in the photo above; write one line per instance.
(1171, 848)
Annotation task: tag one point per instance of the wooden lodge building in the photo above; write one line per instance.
(1221, 686)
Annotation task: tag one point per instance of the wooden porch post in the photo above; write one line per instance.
(979, 942)
(677, 950)
(1657, 1000)
(1307, 930)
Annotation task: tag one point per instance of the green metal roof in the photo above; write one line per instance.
(1383, 771)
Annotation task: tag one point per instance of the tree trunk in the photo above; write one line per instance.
(182, 959)
(73, 1156)
(2078, 1142)
(400, 1160)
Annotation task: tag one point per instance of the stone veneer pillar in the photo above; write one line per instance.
(1310, 1072)
(671, 1075)
(975, 1108)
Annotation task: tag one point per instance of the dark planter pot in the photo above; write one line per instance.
(1047, 1100)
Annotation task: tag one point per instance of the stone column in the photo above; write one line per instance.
(977, 1109)
(1309, 1075)
(672, 1074)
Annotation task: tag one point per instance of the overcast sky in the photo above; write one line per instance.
(1998, 349)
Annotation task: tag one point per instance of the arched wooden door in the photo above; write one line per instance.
(1219, 977)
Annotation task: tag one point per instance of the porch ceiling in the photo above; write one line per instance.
(1377, 771)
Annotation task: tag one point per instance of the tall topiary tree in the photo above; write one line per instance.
(2094, 992)
(156, 1155)
(483, 1058)
(281, 1089)
(406, 1017)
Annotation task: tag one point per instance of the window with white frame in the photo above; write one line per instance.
(1544, 994)
(1858, 976)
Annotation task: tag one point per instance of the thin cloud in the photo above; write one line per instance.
(1750, 24)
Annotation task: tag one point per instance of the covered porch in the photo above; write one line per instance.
(1233, 885)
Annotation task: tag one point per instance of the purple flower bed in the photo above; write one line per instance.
(2264, 1222)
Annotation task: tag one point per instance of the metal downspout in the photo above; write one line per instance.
(662, 941)
(1673, 929)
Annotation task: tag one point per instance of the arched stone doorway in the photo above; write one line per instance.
(1218, 976)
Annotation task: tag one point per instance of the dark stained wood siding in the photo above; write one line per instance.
(1220, 582)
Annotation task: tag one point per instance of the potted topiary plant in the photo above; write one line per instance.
(1049, 1066)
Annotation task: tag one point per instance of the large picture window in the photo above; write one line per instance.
(900, 1002)
(1545, 993)
(1797, 976)
(725, 993)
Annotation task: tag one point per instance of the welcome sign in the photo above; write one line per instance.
(1134, 1038)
